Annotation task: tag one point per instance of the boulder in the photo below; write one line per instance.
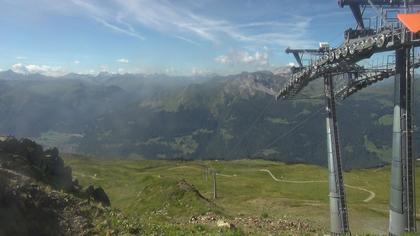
(98, 194)
(224, 224)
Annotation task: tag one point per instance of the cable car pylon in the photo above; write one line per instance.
(390, 35)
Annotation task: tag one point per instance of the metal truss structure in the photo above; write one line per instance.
(386, 34)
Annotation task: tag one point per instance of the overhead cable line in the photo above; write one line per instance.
(233, 150)
(284, 135)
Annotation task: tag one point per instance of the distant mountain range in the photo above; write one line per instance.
(207, 117)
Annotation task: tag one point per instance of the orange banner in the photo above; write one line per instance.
(411, 21)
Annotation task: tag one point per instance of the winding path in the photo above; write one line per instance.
(371, 196)
(226, 175)
(12, 172)
(292, 181)
(94, 177)
(368, 199)
(185, 167)
(197, 168)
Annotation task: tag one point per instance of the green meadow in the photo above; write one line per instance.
(148, 190)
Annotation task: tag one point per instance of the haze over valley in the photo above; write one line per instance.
(191, 118)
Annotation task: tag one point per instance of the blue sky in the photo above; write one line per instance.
(157, 36)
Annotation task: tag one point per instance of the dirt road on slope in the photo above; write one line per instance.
(368, 199)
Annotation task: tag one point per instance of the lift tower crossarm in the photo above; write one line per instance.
(364, 78)
(362, 81)
(364, 47)
(346, 56)
(343, 3)
(355, 6)
(302, 78)
(298, 53)
(368, 78)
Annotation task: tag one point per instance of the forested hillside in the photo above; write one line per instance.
(213, 117)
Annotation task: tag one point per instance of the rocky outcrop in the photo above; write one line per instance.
(27, 208)
(31, 208)
(97, 194)
(250, 224)
(38, 195)
(27, 157)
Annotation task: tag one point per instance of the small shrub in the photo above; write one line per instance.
(264, 215)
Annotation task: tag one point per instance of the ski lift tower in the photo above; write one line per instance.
(387, 34)
(402, 213)
(303, 75)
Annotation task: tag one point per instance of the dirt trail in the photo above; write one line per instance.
(94, 177)
(292, 181)
(185, 167)
(226, 175)
(371, 196)
(12, 172)
(368, 199)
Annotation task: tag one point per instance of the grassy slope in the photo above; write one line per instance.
(243, 189)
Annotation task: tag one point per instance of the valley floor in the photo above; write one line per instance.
(259, 197)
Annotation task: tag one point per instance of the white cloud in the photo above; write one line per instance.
(189, 20)
(183, 22)
(257, 58)
(198, 71)
(104, 68)
(291, 64)
(38, 69)
(190, 41)
(123, 60)
(121, 70)
(91, 72)
(107, 19)
(223, 59)
(21, 58)
(171, 71)
(118, 29)
(76, 62)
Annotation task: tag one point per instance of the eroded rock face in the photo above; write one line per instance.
(97, 194)
(29, 158)
(184, 186)
(32, 200)
(30, 209)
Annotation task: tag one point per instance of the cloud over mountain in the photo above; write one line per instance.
(256, 58)
(123, 60)
(38, 69)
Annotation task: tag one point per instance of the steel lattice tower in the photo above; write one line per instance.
(389, 35)
(338, 207)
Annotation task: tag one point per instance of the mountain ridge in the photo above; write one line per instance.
(222, 117)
